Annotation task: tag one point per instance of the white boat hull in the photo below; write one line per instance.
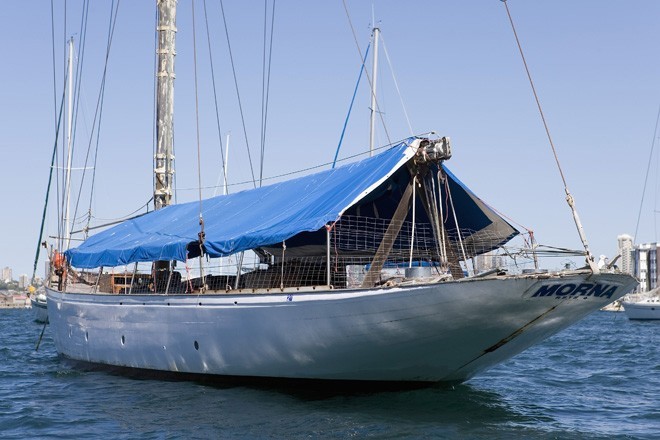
(642, 310)
(448, 331)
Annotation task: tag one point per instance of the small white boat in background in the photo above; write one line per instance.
(644, 306)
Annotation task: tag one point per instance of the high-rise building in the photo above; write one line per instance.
(626, 250)
(23, 281)
(645, 265)
(6, 274)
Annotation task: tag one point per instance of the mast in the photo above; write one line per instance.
(69, 138)
(164, 159)
(372, 125)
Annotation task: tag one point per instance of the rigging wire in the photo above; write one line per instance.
(78, 94)
(303, 170)
(201, 233)
(199, 153)
(79, 69)
(66, 144)
(55, 117)
(130, 214)
(215, 93)
(50, 179)
(238, 95)
(76, 106)
(396, 85)
(154, 113)
(60, 192)
(52, 38)
(64, 33)
(114, 221)
(648, 168)
(265, 85)
(98, 115)
(350, 107)
(357, 45)
(569, 198)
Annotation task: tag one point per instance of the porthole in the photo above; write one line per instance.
(196, 345)
(86, 336)
(123, 340)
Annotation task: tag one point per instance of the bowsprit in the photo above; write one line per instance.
(570, 289)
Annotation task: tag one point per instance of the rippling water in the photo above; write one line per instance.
(598, 379)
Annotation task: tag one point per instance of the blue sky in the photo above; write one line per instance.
(595, 65)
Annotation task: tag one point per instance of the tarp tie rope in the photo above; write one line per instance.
(442, 181)
(282, 273)
(458, 229)
(412, 234)
(190, 287)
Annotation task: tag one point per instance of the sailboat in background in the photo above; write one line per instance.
(362, 274)
(643, 306)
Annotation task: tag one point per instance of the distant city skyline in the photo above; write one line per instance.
(23, 280)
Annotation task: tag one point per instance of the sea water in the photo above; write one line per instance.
(597, 379)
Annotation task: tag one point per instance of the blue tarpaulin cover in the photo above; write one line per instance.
(266, 216)
(244, 220)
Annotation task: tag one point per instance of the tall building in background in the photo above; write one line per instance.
(23, 281)
(6, 274)
(626, 250)
(645, 265)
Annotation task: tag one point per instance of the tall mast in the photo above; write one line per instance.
(69, 138)
(374, 70)
(164, 160)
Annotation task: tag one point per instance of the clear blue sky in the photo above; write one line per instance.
(595, 64)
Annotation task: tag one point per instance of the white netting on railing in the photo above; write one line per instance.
(357, 245)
